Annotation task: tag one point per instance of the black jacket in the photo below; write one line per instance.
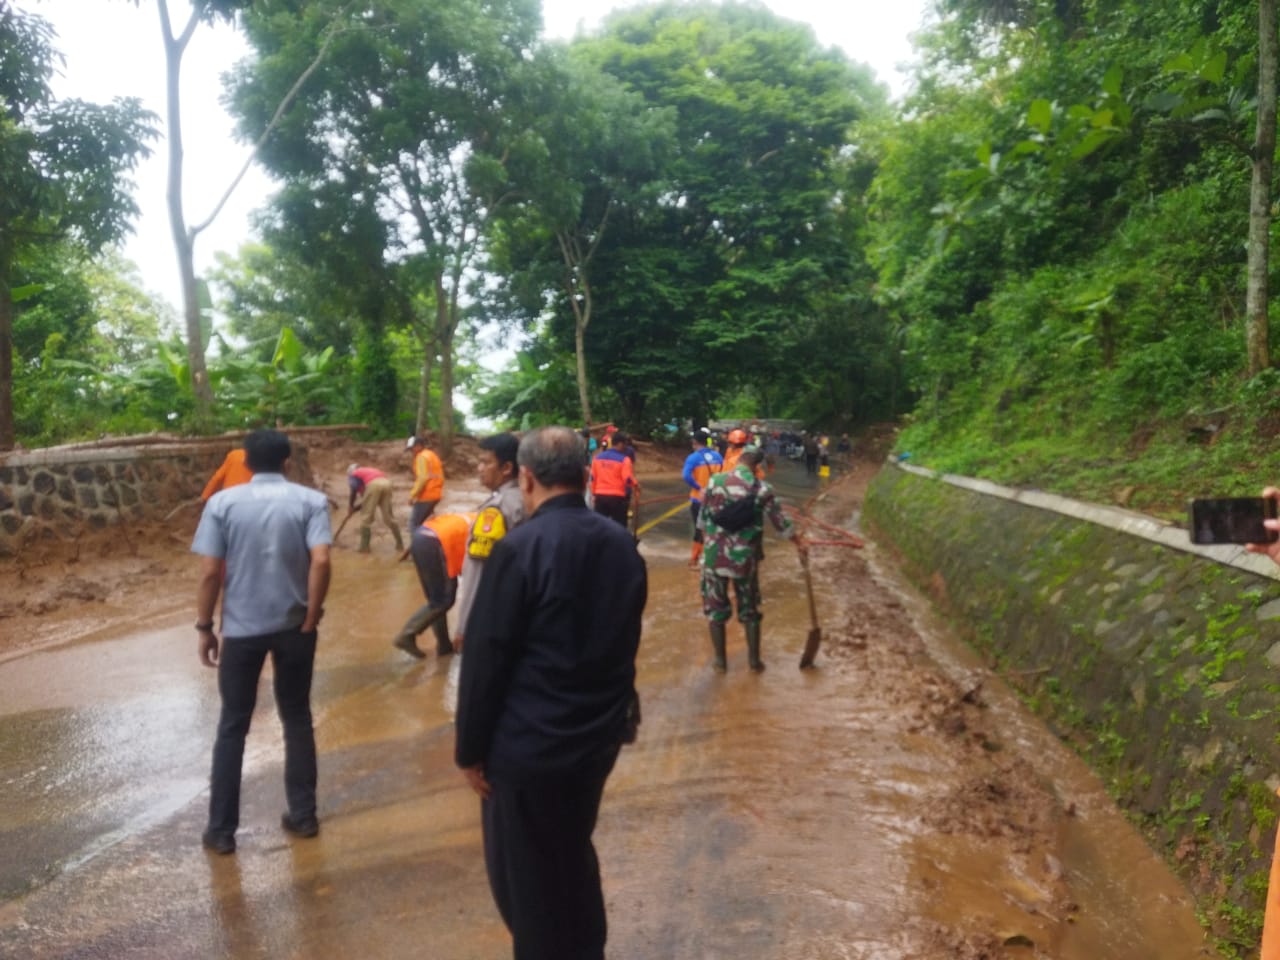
(549, 665)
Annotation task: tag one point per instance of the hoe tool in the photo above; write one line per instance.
(338, 533)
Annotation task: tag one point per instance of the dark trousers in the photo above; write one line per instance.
(419, 511)
(542, 865)
(438, 587)
(615, 508)
(695, 507)
(293, 656)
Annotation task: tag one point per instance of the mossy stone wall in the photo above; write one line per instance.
(1159, 662)
(58, 492)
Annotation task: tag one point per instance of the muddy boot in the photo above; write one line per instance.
(365, 534)
(719, 663)
(399, 540)
(409, 644)
(753, 645)
(444, 646)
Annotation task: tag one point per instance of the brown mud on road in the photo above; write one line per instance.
(896, 803)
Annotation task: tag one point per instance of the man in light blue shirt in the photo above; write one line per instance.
(264, 546)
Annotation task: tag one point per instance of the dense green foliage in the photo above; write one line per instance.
(1039, 255)
(1061, 221)
(64, 169)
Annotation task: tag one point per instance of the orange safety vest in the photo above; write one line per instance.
(612, 475)
(232, 473)
(428, 477)
(451, 530)
(731, 456)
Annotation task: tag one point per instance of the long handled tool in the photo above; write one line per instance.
(350, 514)
(814, 640)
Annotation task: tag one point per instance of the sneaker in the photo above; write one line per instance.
(409, 644)
(221, 843)
(300, 826)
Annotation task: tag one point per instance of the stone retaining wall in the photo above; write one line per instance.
(58, 492)
(1159, 660)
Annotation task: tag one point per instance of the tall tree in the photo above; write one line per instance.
(410, 116)
(600, 147)
(63, 169)
(722, 267)
(184, 234)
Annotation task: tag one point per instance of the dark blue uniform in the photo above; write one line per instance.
(548, 676)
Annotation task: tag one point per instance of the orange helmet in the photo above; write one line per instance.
(737, 436)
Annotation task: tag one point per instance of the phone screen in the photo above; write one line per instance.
(1232, 520)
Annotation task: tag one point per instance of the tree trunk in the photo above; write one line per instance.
(448, 327)
(575, 280)
(579, 345)
(7, 433)
(1264, 149)
(183, 241)
(428, 361)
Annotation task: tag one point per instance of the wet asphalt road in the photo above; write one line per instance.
(758, 816)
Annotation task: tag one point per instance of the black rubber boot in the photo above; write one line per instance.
(753, 645)
(719, 662)
(444, 646)
(365, 534)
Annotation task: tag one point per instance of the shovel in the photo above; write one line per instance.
(814, 640)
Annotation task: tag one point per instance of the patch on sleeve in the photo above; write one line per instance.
(489, 528)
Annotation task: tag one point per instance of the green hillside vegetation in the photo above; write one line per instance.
(1067, 243)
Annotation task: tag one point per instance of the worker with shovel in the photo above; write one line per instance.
(732, 522)
(376, 488)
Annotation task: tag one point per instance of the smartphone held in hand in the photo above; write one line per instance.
(1232, 520)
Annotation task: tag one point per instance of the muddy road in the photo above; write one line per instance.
(897, 802)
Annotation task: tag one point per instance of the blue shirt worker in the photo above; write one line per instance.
(699, 467)
(547, 698)
(274, 538)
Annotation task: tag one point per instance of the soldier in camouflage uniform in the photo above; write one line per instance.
(734, 557)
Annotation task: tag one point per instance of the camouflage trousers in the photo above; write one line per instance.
(715, 596)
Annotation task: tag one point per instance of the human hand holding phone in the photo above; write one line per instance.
(1239, 520)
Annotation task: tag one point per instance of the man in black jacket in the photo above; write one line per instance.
(547, 688)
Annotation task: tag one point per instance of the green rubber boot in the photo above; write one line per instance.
(753, 646)
(719, 662)
(365, 534)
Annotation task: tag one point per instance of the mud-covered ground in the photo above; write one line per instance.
(944, 820)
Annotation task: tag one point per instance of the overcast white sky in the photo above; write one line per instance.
(112, 48)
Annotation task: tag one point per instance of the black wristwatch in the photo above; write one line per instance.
(205, 627)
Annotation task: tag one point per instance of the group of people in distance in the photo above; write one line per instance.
(548, 606)
(550, 609)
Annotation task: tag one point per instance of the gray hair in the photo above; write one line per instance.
(554, 456)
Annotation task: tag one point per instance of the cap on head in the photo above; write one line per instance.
(352, 469)
(737, 436)
(412, 442)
